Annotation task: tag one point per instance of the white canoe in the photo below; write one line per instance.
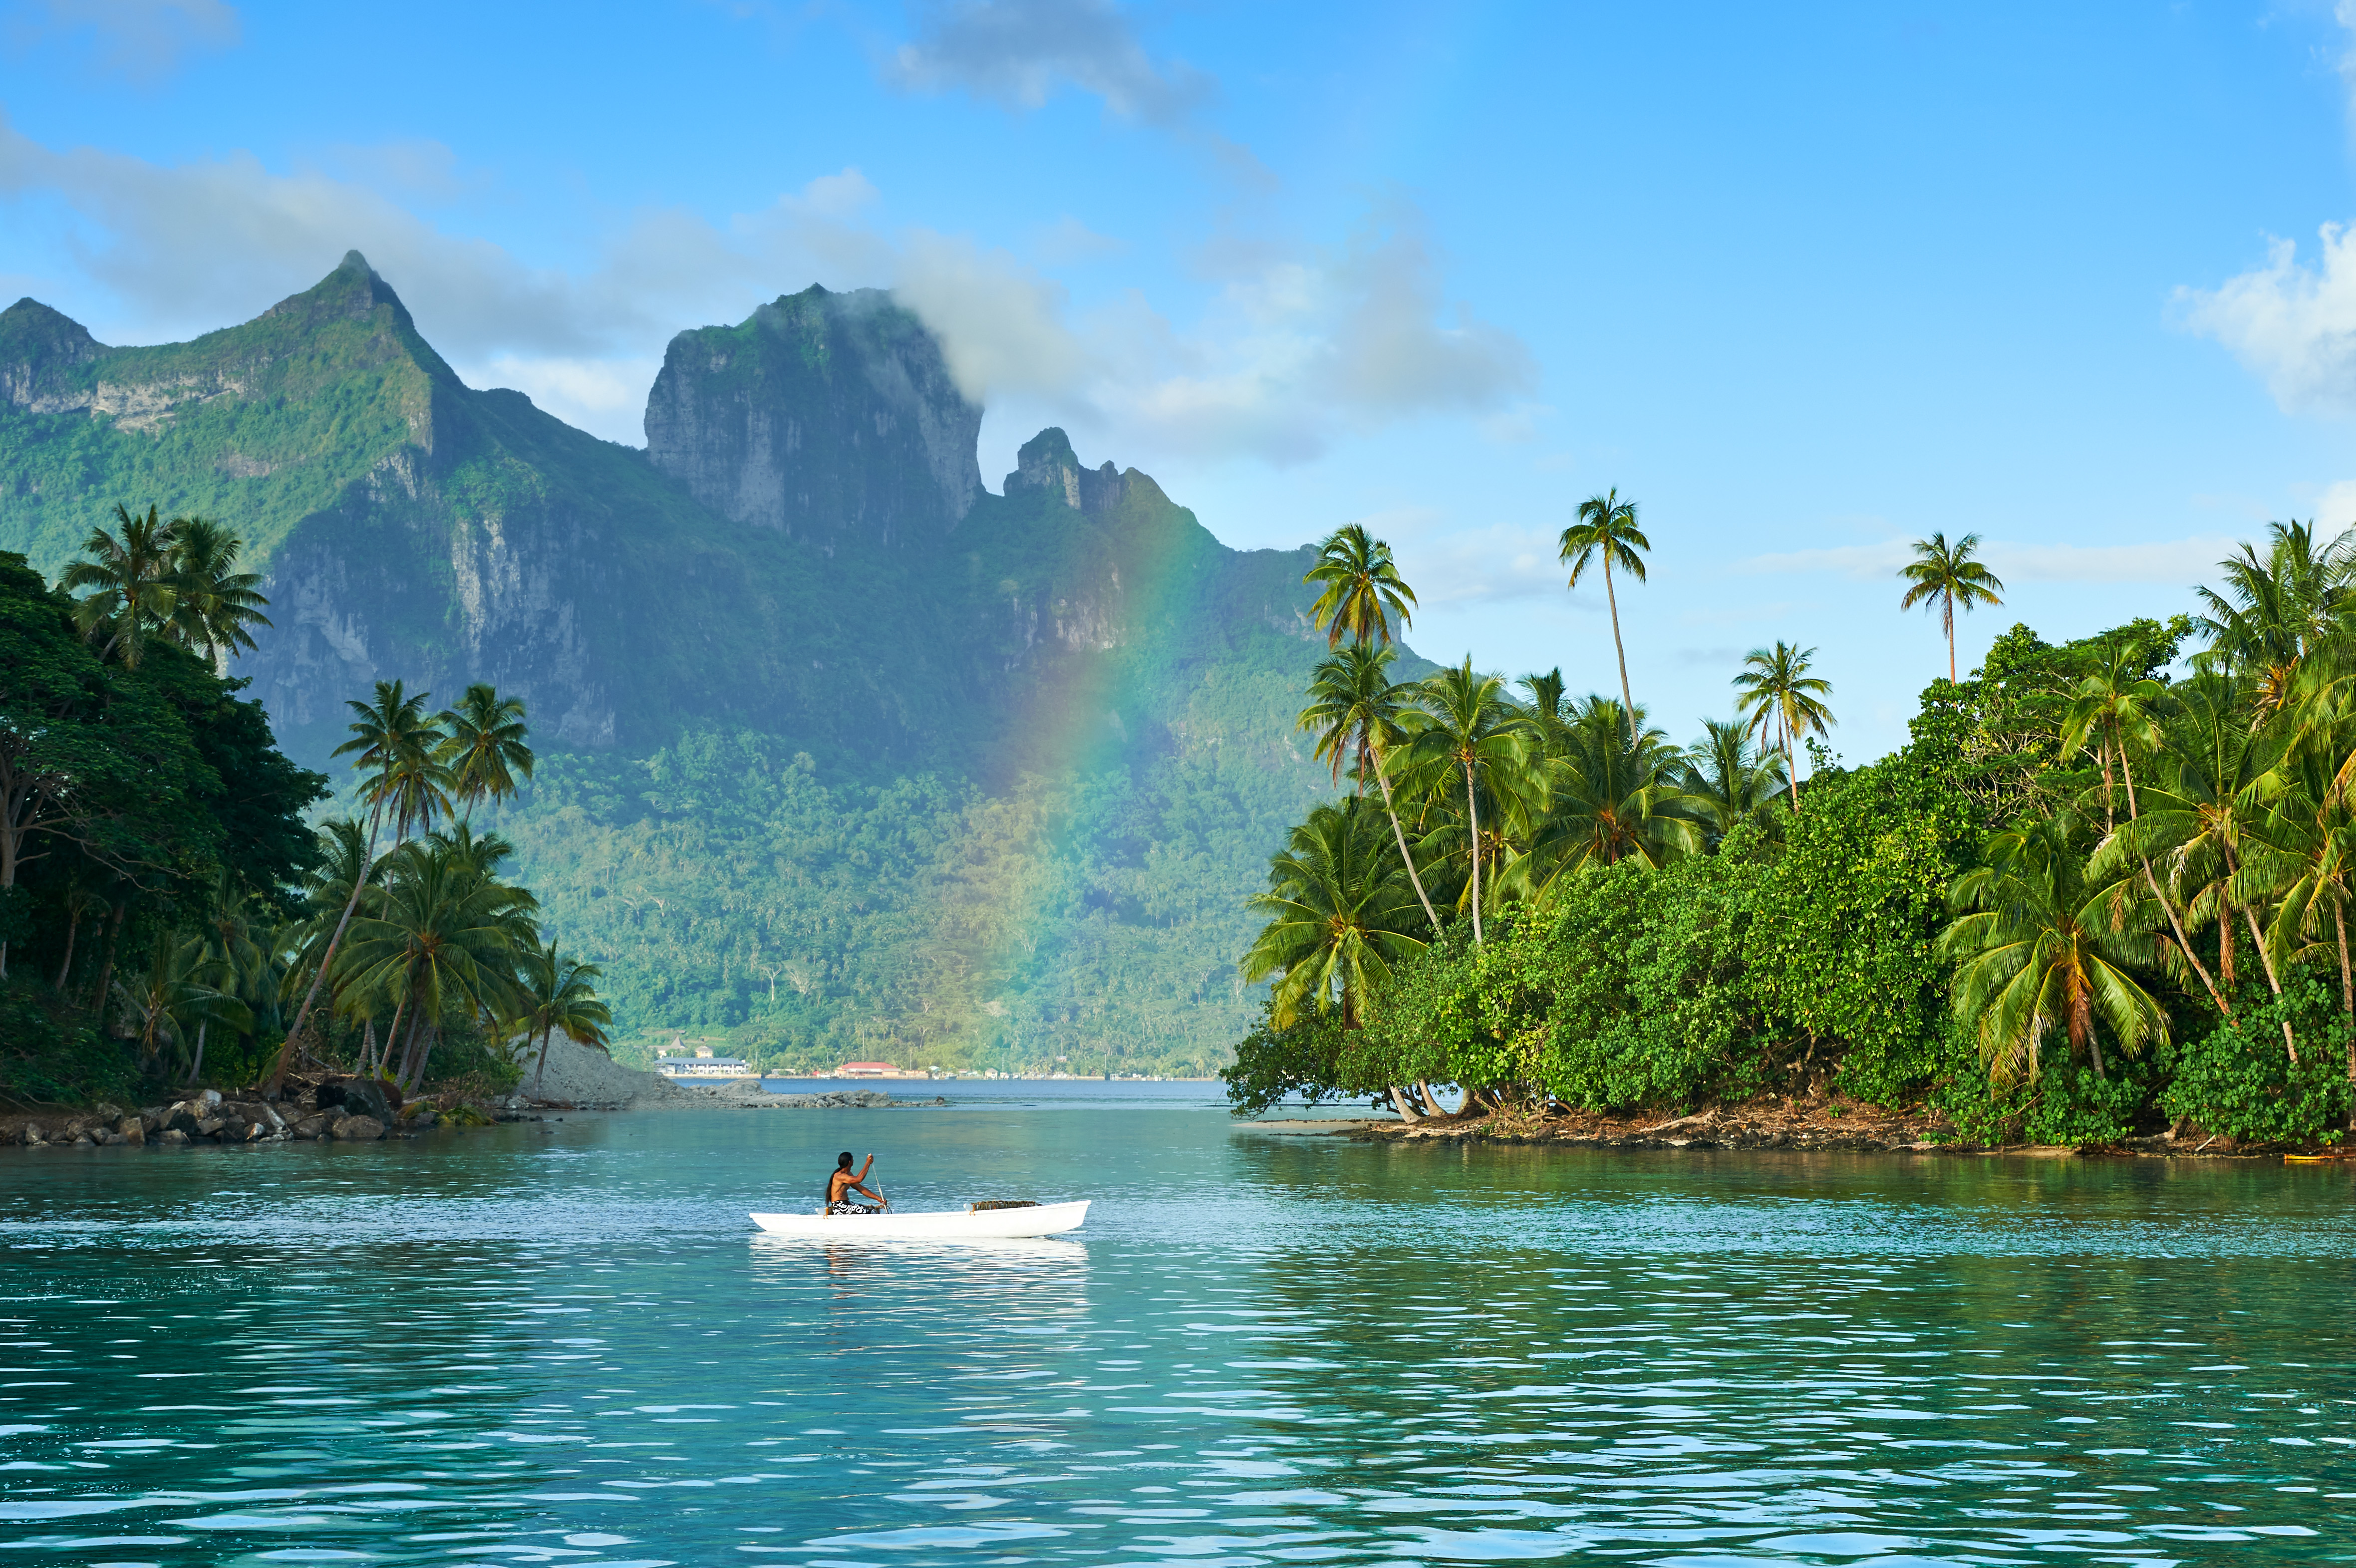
(943, 1225)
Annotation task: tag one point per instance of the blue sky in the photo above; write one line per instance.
(1807, 283)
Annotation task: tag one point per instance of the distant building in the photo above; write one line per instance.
(872, 1070)
(703, 1064)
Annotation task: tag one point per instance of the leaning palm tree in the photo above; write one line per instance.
(1776, 687)
(397, 746)
(1355, 709)
(1606, 529)
(214, 604)
(1946, 575)
(2302, 856)
(1472, 737)
(486, 749)
(130, 595)
(2038, 950)
(1338, 916)
(560, 996)
(1363, 589)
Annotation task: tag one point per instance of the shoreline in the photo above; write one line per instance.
(1770, 1128)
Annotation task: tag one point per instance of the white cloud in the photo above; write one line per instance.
(1020, 52)
(2178, 561)
(2291, 324)
(1459, 566)
(1298, 347)
(139, 39)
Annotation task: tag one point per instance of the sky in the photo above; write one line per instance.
(1808, 284)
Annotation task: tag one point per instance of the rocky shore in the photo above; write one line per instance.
(343, 1110)
(1767, 1124)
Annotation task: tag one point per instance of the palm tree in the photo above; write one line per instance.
(2223, 781)
(1337, 913)
(1470, 732)
(130, 592)
(1544, 702)
(2037, 952)
(1607, 529)
(213, 602)
(486, 749)
(559, 996)
(1363, 589)
(2276, 613)
(441, 933)
(1775, 685)
(1355, 709)
(2303, 856)
(1946, 575)
(1726, 782)
(176, 993)
(2118, 708)
(398, 747)
(1609, 800)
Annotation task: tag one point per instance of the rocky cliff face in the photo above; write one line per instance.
(824, 415)
(805, 549)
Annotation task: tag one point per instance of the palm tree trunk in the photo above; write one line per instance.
(1947, 614)
(1390, 810)
(2347, 989)
(1407, 1112)
(392, 1033)
(106, 965)
(302, 1013)
(1472, 816)
(1791, 767)
(1626, 696)
(197, 1065)
(2273, 981)
(72, 925)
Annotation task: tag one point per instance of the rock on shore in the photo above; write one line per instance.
(337, 1108)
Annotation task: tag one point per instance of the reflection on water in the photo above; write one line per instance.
(564, 1344)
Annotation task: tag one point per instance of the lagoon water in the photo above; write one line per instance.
(562, 1343)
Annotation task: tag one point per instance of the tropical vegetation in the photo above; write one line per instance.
(2103, 892)
(169, 914)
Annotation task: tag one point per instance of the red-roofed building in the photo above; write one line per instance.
(868, 1070)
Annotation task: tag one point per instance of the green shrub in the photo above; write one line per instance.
(2238, 1079)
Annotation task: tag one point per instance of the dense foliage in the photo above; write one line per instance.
(2102, 891)
(165, 912)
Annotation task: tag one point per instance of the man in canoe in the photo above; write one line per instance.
(841, 1185)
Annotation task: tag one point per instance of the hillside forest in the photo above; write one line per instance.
(168, 914)
(2104, 892)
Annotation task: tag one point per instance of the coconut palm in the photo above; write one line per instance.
(1471, 738)
(2278, 611)
(560, 996)
(2036, 951)
(440, 935)
(1546, 702)
(1338, 915)
(174, 995)
(1775, 686)
(2117, 709)
(1363, 589)
(398, 748)
(1608, 800)
(1606, 530)
(2301, 858)
(2220, 782)
(128, 576)
(213, 602)
(486, 749)
(1726, 782)
(1946, 576)
(1355, 709)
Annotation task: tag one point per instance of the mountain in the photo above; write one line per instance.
(841, 749)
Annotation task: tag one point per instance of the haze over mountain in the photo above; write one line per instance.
(841, 749)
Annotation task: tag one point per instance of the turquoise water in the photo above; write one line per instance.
(564, 1344)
